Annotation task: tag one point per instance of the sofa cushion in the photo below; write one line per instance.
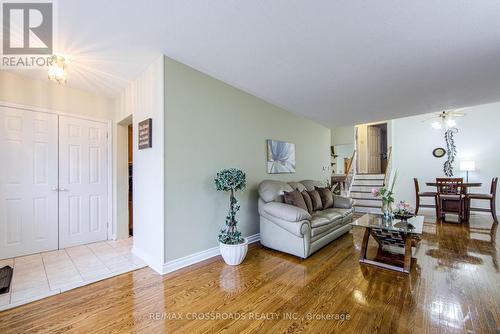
(297, 186)
(295, 198)
(316, 200)
(326, 197)
(308, 201)
(285, 212)
(342, 202)
(271, 190)
(343, 212)
(320, 218)
(321, 230)
(310, 184)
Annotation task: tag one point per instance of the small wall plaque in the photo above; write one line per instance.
(145, 134)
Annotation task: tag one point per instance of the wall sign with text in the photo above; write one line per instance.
(145, 134)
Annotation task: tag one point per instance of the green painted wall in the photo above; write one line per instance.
(210, 125)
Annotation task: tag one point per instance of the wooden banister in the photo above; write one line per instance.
(349, 166)
(388, 166)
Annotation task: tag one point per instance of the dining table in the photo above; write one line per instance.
(467, 186)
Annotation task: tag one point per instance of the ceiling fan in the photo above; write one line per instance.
(445, 118)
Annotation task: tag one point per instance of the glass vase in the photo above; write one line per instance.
(387, 210)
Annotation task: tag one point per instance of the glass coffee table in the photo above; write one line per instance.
(391, 235)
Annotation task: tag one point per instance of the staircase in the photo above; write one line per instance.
(361, 192)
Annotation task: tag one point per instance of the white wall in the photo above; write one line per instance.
(342, 152)
(478, 139)
(48, 95)
(362, 149)
(343, 135)
(211, 126)
(144, 98)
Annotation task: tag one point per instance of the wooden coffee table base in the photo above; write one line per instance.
(406, 261)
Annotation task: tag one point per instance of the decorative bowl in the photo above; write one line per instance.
(403, 216)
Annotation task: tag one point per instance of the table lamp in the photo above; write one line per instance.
(467, 166)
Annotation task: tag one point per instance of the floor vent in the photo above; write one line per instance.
(5, 279)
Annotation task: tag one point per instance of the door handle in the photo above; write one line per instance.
(55, 189)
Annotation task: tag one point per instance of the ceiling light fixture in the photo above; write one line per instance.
(57, 69)
(445, 119)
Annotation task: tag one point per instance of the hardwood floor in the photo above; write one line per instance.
(454, 287)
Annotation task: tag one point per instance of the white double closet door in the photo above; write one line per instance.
(53, 181)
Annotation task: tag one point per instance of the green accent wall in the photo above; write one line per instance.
(210, 125)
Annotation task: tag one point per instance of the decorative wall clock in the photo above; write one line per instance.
(439, 152)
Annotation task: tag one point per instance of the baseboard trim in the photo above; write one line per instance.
(189, 260)
(155, 265)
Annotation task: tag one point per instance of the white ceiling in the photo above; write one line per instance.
(337, 62)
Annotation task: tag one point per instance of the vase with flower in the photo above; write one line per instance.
(387, 197)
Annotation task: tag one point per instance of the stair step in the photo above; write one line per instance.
(362, 188)
(373, 199)
(363, 182)
(372, 202)
(370, 176)
(362, 195)
(365, 209)
(366, 206)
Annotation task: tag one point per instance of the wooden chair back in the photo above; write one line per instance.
(450, 186)
(417, 188)
(493, 190)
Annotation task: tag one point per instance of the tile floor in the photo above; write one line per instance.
(44, 274)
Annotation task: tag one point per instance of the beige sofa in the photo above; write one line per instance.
(293, 230)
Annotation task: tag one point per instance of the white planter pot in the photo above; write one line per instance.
(234, 254)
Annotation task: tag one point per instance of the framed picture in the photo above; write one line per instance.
(280, 157)
(145, 134)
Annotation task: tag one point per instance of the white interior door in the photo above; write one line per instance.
(374, 152)
(28, 182)
(83, 206)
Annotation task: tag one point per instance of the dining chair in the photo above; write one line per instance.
(451, 198)
(419, 194)
(488, 197)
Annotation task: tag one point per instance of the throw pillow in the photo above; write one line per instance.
(326, 197)
(295, 198)
(316, 200)
(308, 201)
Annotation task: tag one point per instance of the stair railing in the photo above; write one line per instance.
(387, 173)
(350, 172)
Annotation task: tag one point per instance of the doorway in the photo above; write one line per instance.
(124, 200)
(372, 150)
(130, 180)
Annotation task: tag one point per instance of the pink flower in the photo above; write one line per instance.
(375, 192)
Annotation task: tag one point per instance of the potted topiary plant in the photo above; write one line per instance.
(233, 247)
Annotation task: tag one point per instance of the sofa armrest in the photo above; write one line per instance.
(342, 202)
(286, 212)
